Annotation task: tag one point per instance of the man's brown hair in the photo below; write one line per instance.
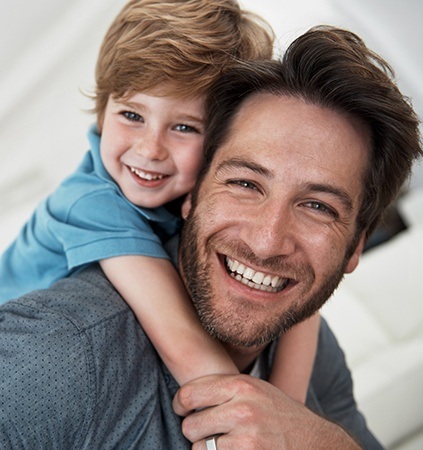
(334, 69)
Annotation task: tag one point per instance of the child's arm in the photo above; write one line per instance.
(154, 291)
(294, 359)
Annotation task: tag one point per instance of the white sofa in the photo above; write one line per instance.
(377, 315)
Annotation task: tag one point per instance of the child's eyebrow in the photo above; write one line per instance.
(129, 104)
(181, 115)
(193, 118)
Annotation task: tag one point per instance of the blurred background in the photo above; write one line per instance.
(48, 51)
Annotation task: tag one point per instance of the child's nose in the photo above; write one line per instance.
(152, 146)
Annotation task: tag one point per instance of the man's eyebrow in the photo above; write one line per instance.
(240, 163)
(329, 189)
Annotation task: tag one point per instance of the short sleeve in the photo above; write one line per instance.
(100, 224)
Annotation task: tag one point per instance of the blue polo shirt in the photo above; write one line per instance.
(85, 220)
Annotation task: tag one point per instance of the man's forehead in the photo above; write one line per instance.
(270, 119)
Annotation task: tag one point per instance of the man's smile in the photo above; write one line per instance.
(255, 279)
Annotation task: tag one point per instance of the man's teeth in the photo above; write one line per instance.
(146, 175)
(254, 279)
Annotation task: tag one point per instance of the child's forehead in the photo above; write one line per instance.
(167, 89)
(163, 91)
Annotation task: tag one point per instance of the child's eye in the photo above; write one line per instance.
(186, 129)
(132, 116)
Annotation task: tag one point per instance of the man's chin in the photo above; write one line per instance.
(238, 332)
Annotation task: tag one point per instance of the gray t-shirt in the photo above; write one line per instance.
(78, 372)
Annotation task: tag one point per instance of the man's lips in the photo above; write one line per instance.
(147, 176)
(255, 279)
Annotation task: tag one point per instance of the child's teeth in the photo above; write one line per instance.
(146, 175)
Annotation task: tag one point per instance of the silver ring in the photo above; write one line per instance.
(211, 443)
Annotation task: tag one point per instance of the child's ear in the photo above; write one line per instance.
(186, 206)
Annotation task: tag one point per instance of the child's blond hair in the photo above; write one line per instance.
(188, 43)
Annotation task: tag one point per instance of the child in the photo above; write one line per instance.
(154, 69)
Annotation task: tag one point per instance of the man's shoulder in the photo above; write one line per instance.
(46, 349)
(76, 355)
(84, 299)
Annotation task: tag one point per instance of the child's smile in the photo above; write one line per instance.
(148, 179)
(152, 146)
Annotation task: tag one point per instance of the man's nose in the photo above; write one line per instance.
(152, 146)
(270, 232)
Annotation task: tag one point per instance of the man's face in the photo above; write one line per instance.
(267, 241)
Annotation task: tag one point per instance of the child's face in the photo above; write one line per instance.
(152, 146)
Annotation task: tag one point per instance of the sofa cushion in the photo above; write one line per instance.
(410, 207)
(389, 390)
(389, 282)
(358, 333)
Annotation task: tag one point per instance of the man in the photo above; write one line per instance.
(301, 160)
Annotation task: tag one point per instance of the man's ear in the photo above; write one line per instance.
(355, 257)
(186, 206)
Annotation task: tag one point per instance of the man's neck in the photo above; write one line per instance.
(243, 357)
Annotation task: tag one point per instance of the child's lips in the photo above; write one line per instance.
(147, 176)
(146, 179)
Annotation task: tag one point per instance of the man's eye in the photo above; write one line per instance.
(244, 184)
(321, 208)
(132, 116)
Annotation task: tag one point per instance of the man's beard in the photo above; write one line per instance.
(239, 325)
